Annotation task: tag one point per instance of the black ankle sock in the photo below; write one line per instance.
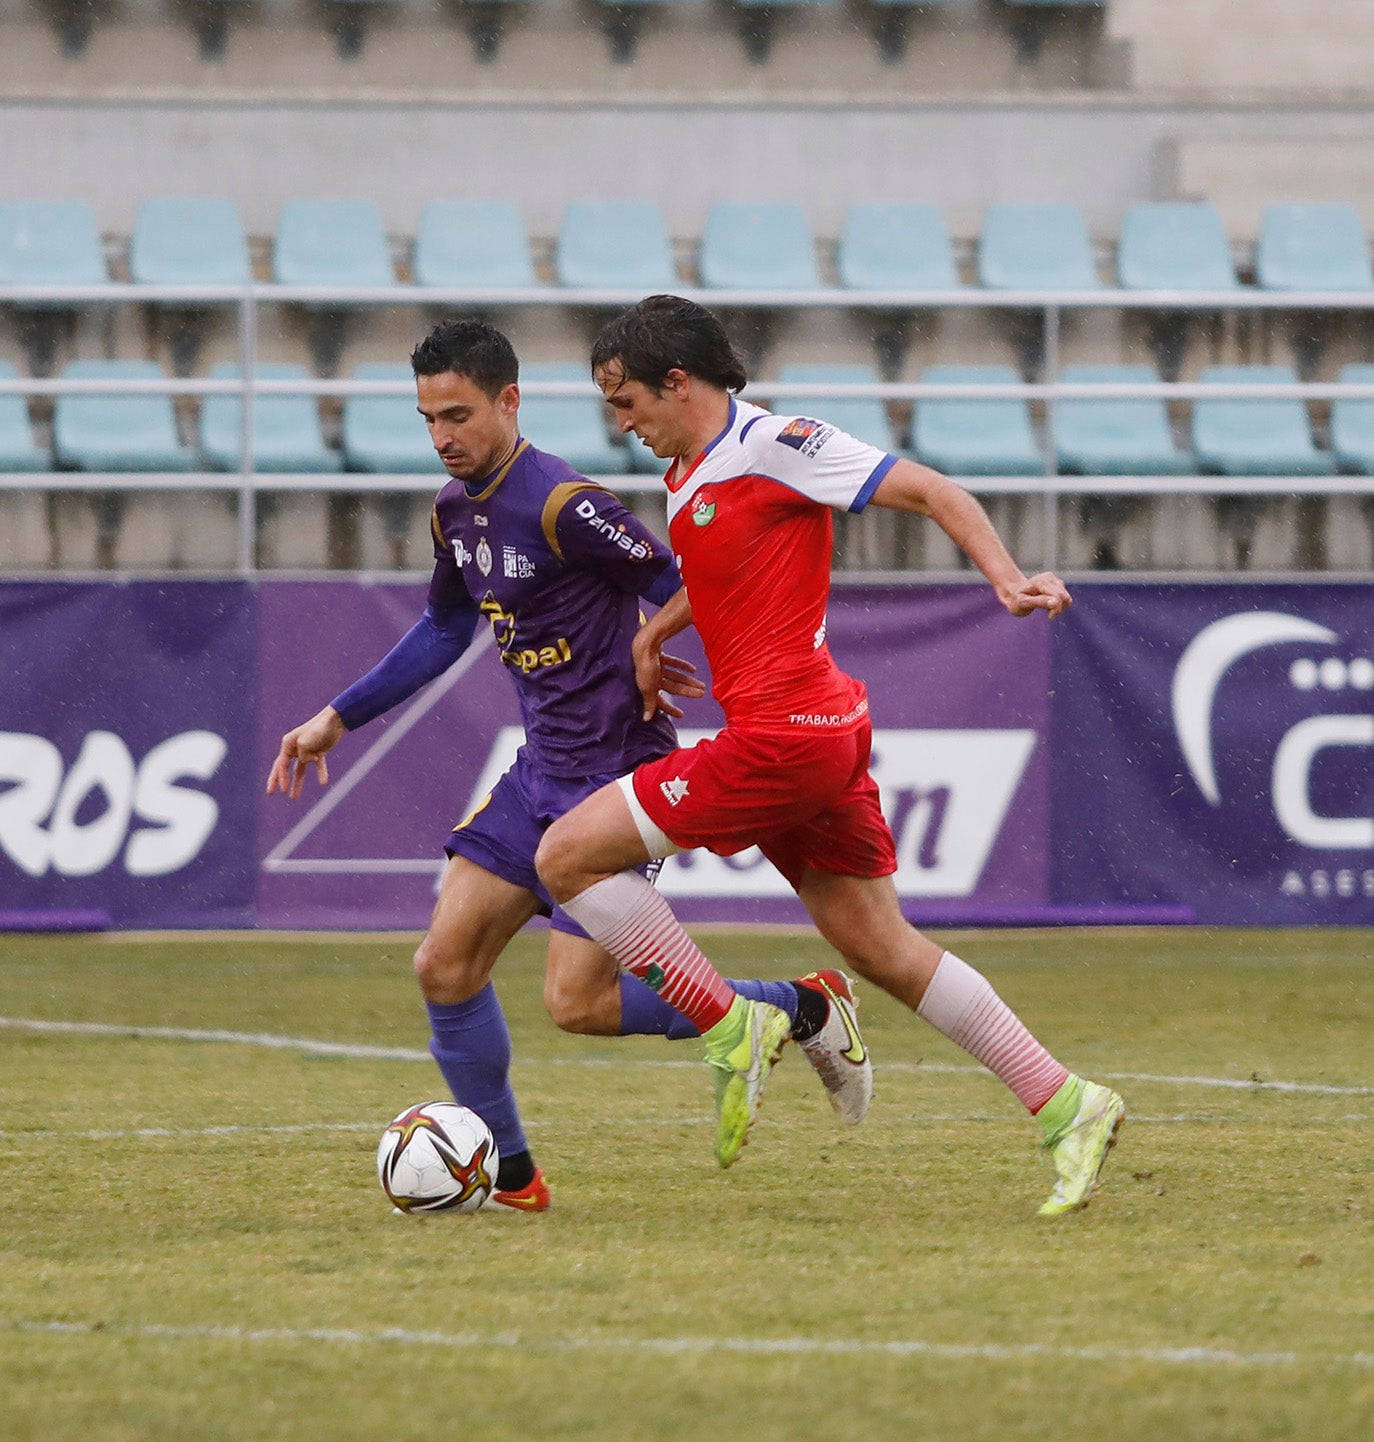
(812, 1009)
(515, 1172)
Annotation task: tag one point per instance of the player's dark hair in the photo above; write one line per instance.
(664, 333)
(470, 348)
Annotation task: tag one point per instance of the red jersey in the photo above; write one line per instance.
(751, 524)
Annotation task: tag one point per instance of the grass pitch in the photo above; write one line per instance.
(194, 1244)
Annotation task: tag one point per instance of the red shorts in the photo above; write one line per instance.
(805, 799)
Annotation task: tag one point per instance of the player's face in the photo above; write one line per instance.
(473, 432)
(656, 417)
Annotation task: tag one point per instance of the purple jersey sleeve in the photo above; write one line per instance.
(594, 530)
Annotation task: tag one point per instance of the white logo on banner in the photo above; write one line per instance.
(40, 829)
(1210, 654)
(945, 794)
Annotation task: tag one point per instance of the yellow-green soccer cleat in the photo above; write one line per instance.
(1081, 1122)
(741, 1049)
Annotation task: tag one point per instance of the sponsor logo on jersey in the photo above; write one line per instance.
(614, 532)
(524, 659)
(461, 554)
(806, 436)
(480, 521)
(673, 790)
(703, 511)
(484, 560)
(818, 640)
(812, 718)
(516, 565)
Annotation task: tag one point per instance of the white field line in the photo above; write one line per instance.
(391, 1053)
(700, 1119)
(678, 1346)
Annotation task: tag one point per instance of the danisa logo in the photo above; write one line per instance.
(106, 807)
(1320, 671)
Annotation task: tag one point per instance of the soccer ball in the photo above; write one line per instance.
(438, 1157)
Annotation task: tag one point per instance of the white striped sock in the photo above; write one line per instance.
(961, 1003)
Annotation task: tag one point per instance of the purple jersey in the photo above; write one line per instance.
(557, 565)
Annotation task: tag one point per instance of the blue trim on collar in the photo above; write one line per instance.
(872, 483)
(729, 426)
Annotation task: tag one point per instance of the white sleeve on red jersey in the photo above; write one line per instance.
(815, 458)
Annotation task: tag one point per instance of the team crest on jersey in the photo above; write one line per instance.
(703, 511)
(484, 561)
(516, 565)
(806, 436)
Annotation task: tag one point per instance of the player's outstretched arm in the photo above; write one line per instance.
(305, 746)
(909, 486)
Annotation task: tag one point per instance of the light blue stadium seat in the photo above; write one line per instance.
(117, 432)
(758, 245)
(17, 450)
(573, 427)
(1036, 247)
(1313, 247)
(331, 242)
(614, 244)
(1116, 437)
(473, 244)
(50, 242)
(863, 417)
(385, 434)
(896, 247)
(1352, 424)
(1060, 4)
(286, 429)
(189, 242)
(976, 437)
(1255, 437)
(1174, 245)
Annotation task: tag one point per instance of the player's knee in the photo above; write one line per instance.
(556, 859)
(443, 976)
(569, 1007)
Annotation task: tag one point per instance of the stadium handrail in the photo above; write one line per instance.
(248, 483)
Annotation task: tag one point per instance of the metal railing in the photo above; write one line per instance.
(247, 482)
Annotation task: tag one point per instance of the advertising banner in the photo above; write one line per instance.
(126, 761)
(1161, 753)
(1213, 745)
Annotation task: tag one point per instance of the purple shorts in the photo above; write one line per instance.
(503, 832)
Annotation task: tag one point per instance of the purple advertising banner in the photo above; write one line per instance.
(1213, 745)
(1161, 753)
(959, 695)
(125, 757)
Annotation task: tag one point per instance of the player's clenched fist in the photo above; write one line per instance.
(1043, 592)
(306, 746)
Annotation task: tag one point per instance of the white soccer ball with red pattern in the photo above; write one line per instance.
(438, 1157)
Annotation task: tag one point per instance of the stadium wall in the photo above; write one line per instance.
(1184, 753)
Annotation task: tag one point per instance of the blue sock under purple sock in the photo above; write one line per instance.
(644, 1013)
(472, 1047)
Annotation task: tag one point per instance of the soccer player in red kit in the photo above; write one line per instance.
(750, 497)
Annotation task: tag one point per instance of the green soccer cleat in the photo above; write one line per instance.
(1081, 1122)
(741, 1049)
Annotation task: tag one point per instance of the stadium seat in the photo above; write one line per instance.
(473, 245)
(1036, 247)
(1352, 424)
(976, 437)
(896, 247)
(286, 429)
(758, 21)
(614, 245)
(1313, 247)
(338, 243)
(348, 21)
(188, 242)
(17, 450)
(862, 416)
(1240, 437)
(117, 432)
(890, 22)
(1174, 245)
(1116, 437)
(622, 20)
(573, 427)
(48, 242)
(383, 434)
(763, 245)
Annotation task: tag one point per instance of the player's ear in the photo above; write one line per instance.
(677, 381)
(509, 400)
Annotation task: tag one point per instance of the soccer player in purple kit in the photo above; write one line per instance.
(557, 565)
